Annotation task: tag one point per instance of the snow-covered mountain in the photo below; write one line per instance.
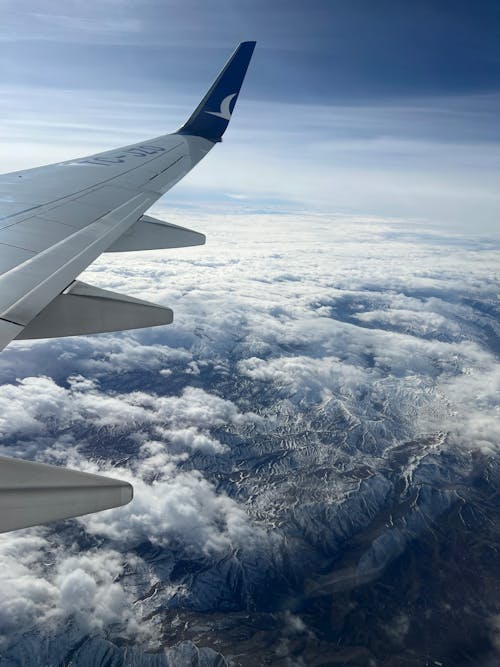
(314, 450)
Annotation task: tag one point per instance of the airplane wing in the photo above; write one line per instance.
(56, 220)
(33, 493)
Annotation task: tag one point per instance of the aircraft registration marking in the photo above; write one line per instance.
(144, 150)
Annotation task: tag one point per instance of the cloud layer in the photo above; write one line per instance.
(300, 343)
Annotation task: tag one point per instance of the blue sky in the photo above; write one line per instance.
(355, 107)
(367, 135)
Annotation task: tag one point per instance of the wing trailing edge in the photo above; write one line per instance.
(8, 331)
(35, 493)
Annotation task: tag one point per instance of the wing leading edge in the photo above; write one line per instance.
(54, 222)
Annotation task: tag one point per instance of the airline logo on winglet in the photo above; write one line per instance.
(224, 111)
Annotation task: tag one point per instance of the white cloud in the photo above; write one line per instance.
(179, 507)
(169, 504)
(281, 320)
(79, 586)
(404, 164)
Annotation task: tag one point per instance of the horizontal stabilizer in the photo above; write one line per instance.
(152, 234)
(84, 309)
(34, 493)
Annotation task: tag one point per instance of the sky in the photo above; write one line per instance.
(350, 271)
(355, 107)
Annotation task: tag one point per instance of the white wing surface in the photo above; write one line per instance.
(56, 220)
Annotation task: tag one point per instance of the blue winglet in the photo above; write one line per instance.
(212, 115)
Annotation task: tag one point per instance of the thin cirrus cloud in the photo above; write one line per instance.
(381, 124)
(416, 161)
(332, 51)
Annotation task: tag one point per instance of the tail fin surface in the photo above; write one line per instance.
(211, 117)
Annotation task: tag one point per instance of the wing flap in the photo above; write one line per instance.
(84, 309)
(35, 234)
(35, 493)
(8, 331)
(11, 257)
(152, 234)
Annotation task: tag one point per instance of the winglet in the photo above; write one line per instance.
(212, 115)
